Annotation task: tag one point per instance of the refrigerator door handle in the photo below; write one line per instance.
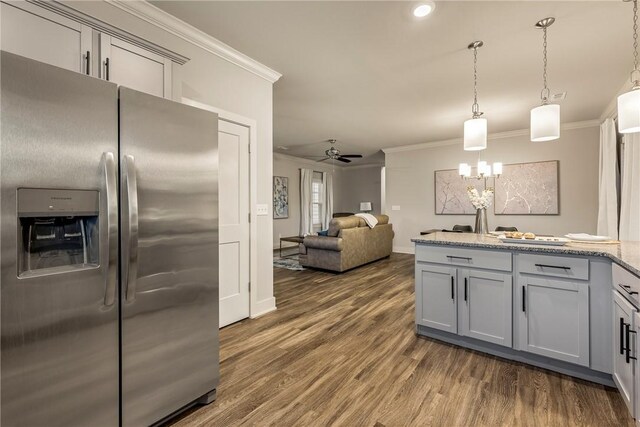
(130, 231)
(109, 246)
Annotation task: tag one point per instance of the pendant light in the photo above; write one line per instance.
(545, 119)
(629, 103)
(475, 129)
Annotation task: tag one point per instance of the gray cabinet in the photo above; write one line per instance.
(624, 340)
(485, 302)
(554, 318)
(42, 34)
(436, 297)
(467, 302)
(39, 34)
(136, 68)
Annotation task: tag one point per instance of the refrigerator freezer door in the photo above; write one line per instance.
(59, 361)
(169, 223)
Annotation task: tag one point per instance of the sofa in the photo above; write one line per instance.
(349, 243)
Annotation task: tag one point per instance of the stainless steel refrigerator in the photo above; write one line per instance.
(109, 251)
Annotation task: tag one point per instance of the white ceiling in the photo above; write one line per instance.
(372, 76)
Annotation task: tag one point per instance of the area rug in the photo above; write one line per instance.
(290, 263)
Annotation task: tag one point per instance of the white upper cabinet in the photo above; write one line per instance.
(57, 34)
(39, 34)
(136, 68)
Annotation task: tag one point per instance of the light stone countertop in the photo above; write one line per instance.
(627, 254)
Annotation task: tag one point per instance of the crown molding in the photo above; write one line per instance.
(490, 137)
(99, 25)
(161, 19)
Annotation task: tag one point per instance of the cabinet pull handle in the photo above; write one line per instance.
(87, 58)
(465, 288)
(453, 296)
(628, 332)
(459, 257)
(559, 267)
(524, 299)
(622, 346)
(106, 69)
(627, 288)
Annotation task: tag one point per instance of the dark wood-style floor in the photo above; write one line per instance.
(341, 350)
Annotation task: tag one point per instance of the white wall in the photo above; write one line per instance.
(410, 184)
(209, 79)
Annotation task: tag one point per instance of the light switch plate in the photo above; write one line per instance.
(395, 207)
(262, 210)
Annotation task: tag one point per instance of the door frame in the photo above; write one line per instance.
(253, 195)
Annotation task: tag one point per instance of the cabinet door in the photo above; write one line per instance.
(623, 367)
(485, 303)
(136, 68)
(436, 297)
(554, 318)
(39, 34)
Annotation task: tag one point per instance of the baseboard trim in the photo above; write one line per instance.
(518, 356)
(405, 249)
(263, 307)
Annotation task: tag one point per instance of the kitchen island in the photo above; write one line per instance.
(549, 306)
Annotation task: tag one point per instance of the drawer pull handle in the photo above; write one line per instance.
(553, 266)
(628, 332)
(627, 288)
(459, 257)
(622, 346)
(453, 296)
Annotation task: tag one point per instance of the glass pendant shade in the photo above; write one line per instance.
(475, 134)
(545, 123)
(629, 112)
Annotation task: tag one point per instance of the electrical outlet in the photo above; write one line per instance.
(262, 210)
(395, 207)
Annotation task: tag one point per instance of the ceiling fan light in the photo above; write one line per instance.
(475, 134)
(545, 123)
(629, 112)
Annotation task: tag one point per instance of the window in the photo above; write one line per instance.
(316, 200)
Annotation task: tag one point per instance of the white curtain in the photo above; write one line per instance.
(306, 221)
(630, 191)
(608, 192)
(327, 197)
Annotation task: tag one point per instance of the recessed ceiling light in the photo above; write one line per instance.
(423, 9)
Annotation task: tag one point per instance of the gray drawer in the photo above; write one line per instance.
(554, 266)
(472, 258)
(626, 282)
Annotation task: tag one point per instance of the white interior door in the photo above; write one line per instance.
(233, 146)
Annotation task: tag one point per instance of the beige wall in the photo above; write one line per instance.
(290, 167)
(410, 184)
(361, 184)
(212, 80)
(350, 187)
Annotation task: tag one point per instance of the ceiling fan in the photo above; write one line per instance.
(334, 154)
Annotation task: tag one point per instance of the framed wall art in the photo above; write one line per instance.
(528, 189)
(280, 197)
(451, 194)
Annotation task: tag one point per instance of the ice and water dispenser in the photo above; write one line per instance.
(58, 230)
